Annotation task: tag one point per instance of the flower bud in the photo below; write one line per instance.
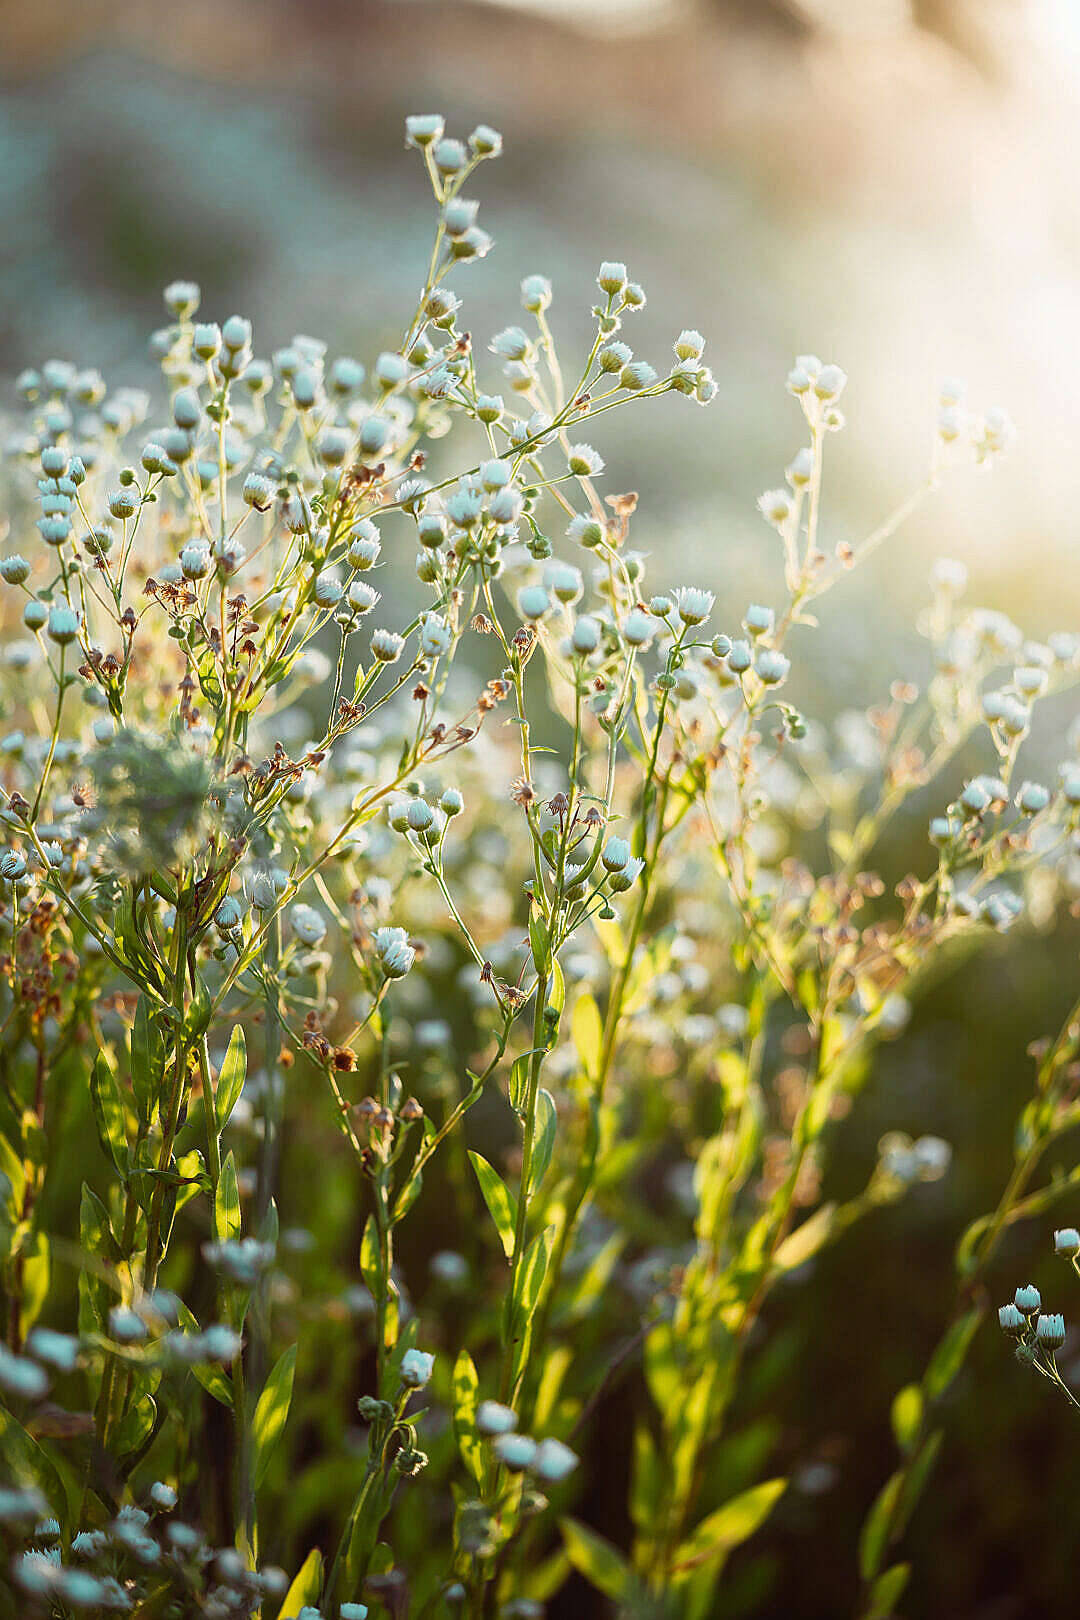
(63, 625)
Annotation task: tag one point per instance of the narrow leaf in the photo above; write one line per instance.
(227, 1204)
(272, 1411)
(951, 1354)
(306, 1587)
(501, 1203)
(887, 1592)
(109, 1114)
(547, 1120)
(602, 1565)
(466, 1401)
(730, 1525)
(230, 1082)
(907, 1416)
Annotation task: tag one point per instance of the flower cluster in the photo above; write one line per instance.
(358, 774)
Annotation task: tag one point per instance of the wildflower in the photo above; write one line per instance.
(63, 625)
(1032, 798)
(689, 345)
(775, 506)
(585, 530)
(436, 637)
(419, 816)
(486, 142)
(611, 277)
(586, 635)
(975, 798)
(22, 1377)
(327, 590)
(553, 1461)
(829, 383)
(533, 602)
(493, 1418)
(614, 356)
(771, 666)
(12, 866)
(637, 629)
(510, 344)
(1011, 1319)
(258, 491)
(536, 294)
(760, 621)
(1067, 1242)
(514, 1451)
(616, 854)
(423, 129)
(451, 802)
(163, 1496)
(1050, 1332)
(362, 597)
(54, 530)
(364, 546)
(583, 461)
(636, 376)
(60, 1350)
(395, 953)
(308, 925)
(416, 1368)
(625, 878)
(14, 569)
(1027, 1299)
(126, 1325)
(694, 605)
(563, 581)
(386, 645)
(195, 561)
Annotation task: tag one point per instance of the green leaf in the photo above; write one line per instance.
(646, 1482)
(197, 1016)
(557, 989)
(547, 1119)
(501, 1203)
(532, 1272)
(907, 1416)
(36, 1275)
(587, 1030)
(227, 1203)
(951, 1354)
(805, 1242)
(147, 1061)
(887, 1592)
(212, 1379)
(602, 1565)
(230, 1082)
(878, 1528)
(272, 1412)
(28, 1465)
(915, 1482)
(136, 1426)
(730, 1525)
(98, 1243)
(306, 1587)
(530, 1281)
(370, 1264)
(466, 1393)
(539, 940)
(517, 1090)
(109, 1115)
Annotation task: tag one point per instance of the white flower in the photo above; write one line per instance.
(308, 925)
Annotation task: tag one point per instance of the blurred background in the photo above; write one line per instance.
(889, 183)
